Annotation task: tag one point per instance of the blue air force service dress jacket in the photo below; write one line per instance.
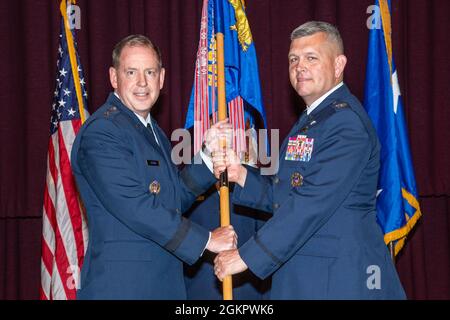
(323, 241)
(134, 198)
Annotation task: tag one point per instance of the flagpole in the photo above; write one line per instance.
(224, 190)
(73, 58)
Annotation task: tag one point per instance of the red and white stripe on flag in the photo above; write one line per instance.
(64, 225)
(236, 116)
(64, 233)
(201, 89)
(205, 95)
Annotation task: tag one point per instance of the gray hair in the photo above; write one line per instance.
(131, 41)
(313, 27)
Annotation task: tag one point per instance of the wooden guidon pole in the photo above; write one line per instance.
(224, 190)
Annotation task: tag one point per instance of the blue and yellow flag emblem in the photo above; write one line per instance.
(243, 91)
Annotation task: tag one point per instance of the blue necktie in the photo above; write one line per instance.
(150, 128)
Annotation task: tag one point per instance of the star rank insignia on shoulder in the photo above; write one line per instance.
(111, 110)
(340, 105)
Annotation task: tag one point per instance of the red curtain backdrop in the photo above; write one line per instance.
(29, 38)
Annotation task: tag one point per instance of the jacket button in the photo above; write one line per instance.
(178, 210)
(276, 206)
(276, 180)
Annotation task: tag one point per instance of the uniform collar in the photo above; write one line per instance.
(141, 118)
(316, 103)
(340, 93)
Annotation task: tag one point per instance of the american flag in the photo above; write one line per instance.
(64, 233)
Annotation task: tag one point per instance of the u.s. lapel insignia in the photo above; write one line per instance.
(296, 179)
(154, 187)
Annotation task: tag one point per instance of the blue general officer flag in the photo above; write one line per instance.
(243, 91)
(397, 205)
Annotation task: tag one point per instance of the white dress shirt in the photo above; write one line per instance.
(144, 121)
(316, 103)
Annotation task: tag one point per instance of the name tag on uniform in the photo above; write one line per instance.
(299, 148)
(152, 163)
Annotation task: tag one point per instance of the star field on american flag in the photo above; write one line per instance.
(65, 103)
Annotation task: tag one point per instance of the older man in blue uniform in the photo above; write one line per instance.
(133, 194)
(323, 241)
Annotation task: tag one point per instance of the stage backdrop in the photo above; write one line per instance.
(29, 37)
